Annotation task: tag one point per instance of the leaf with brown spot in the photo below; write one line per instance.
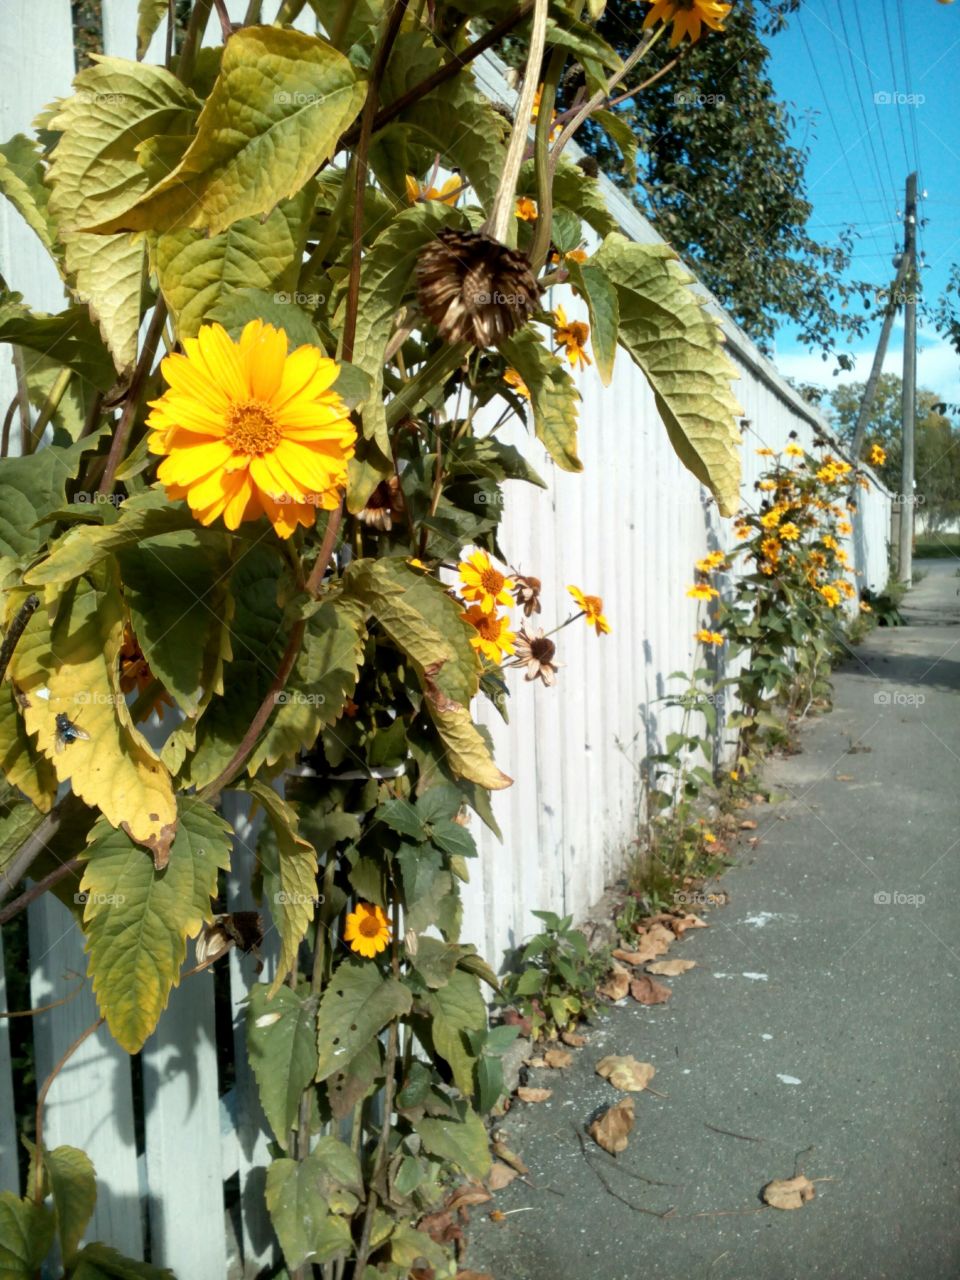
(645, 991)
(626, 1073)
(526, 1094)
(557, 1059)
(671, 968)
(503, 1152)
(612, 1130)
(788, 1193)
(616, 984)
(572, 1038)
(501, 1175)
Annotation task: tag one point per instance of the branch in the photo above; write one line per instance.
(140, 375)
(16, 630)
(71, 867)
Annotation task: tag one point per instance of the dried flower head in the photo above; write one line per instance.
(537, 652)
(526, 592)
(475, 289)
(384, 505)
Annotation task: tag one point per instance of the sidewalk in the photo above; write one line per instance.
(822, 1019)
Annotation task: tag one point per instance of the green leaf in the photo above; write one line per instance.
(456, 1008)
(69, 337)
(576, 190)
(553, 396)
(626, 140)
(293, 906)
(300, 1212)
(463, 1142)
(604, 306)
(137, 920)
(403, 817)
(323, 677)
(26, 1234)
(282, 1049)
(150, 13)
(100, 1262)
(669, 334)
(196, 271)
(279, 105)
(236, 308)
(436, 960)
(21, 181)
(492, 459)
(107, 273)
(425, 885)
(358, 1002)
(73, 1184)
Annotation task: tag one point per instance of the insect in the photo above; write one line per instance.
(68, 732)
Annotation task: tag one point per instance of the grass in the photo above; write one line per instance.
(938, 546)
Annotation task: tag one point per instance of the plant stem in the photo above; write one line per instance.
(70, 867)
(37, 1190)
(288, 12)
(15, 631)
(134, 394)
(541, 151)
(319, 254)
(439, 367)
(29, 851)
(7, 424)
(23, 402)
(252, 16)
(503, 205)
(52, 403)
(191, 41)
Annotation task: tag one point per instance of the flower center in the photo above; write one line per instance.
(252, 427)
(594, 604)
(542, 649)
(489, 627)
(369, 926)
(491, 581)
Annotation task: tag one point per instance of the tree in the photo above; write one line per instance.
(720, 179)
(937, 458)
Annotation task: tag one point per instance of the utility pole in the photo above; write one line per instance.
(907, 504)
(870, 391)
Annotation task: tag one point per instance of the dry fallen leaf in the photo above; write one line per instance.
(628, 957)
(557, 1058)
(472, 1193)
(626, 1073)
(536, 1062)
(474, 1275)
(689, 921)
(572, 1038)
(788, 1193)
(501, 1175)
(845, 777)
(660, 933)
(503, 1152)
(646, 991)
(612, 1130)
(670, 968)
(616, 984)
(748, 824)
(533, 1095)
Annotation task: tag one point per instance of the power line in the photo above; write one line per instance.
(868, 132)
(876, 105)
(893, 73)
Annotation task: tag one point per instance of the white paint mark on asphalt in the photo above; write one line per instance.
(788, 1079)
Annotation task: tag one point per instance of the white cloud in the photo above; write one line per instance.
(938, 365)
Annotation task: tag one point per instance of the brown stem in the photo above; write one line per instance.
(42, 1097)
(70, 867)
(28, 852)
(7, 424)
(16, 630)
(444, 73)
(226, 26)
(191, 41)
(132, 404)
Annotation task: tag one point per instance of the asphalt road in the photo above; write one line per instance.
(820, 1025)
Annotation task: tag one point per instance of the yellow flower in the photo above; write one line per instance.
(702, 591)
(414, 563)
(705, 636)
(449, 193)
(513, 379)
(845, 588)
(771, 548)
(829, 541)
(864, 607)
(771, 518)
(742, 531)
(592, 606)
(830, 594)
(789, 532)
(713, 561)
(571, 335)
(249, 430)
(492, 635)
(734, 775)
(526, 209)
(877, 456)
(767, 486)
(766, 453)
(844, 527)
(367, 930)
(793, 450)
(482, 583)
(576, 255)
(687, 16)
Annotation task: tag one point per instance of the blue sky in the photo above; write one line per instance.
(868, 120)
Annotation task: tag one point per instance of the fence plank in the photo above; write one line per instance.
(9, 1170)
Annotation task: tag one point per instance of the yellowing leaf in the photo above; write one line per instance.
(788, 1193)
(553, 396)
(107, 273)
(274, 116)
(23, 764)
(137, 919)
(150, 13)
(74, 1188)
(71, 669)
(666, 329)
(21, 181)
(626, 1073)
(671, 968)
(612, 1130)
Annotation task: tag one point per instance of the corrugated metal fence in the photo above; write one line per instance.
(161, 1132)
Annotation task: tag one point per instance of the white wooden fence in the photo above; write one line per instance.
(628, 528)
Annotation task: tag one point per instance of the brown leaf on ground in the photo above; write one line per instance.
(689, 921)
(467, 1195)
(645, 991)
(441, 1227)
(501, 1175)
(748, 824)
(626, 1073)
(573, 1039)
(670, 968)
(558, 1058)
(612, 1130)
(788, 1193)
(533, 1095)
(844, 777)
(538, 1061)
(474, 1275)
(662, 933)
(514, 1018)
(616, 984)
(503, 1152)
(628, 957)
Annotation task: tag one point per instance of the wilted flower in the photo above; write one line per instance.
(526, 592)
(473, 288)
(384, 505)
(537, 654)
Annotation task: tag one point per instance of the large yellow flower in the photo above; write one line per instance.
(592, 607)
(249, 430)
(367, 930)
(492, 635)
(702, 591)
(483, 583)
(687, 16)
